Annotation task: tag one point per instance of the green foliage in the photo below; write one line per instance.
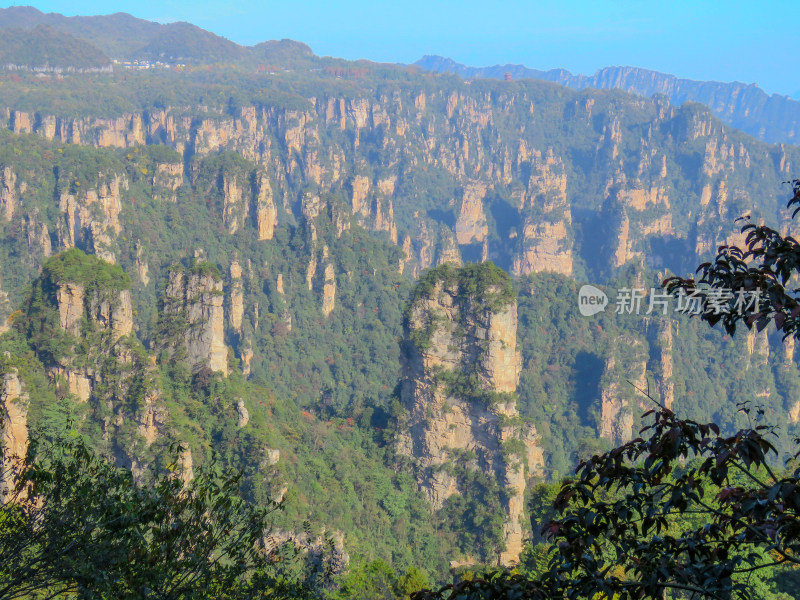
(46, 48)
(481, 282)
(682, 510)
(75, 266)
(183, 42)
(322, 390)
(374, 580)
(466, 385)
(78, 525)
(480, 513)
(203, 268)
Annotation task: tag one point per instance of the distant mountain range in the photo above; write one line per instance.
(123, 37)
(35, 40)
(774, 118)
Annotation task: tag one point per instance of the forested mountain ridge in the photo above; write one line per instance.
(123, 37)
(46, 49)
(271, 225)
(773, 118)
(118, 35)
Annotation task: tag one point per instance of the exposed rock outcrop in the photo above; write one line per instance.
(774, 118)
(621, 400)
(4, 308)
(243, 416)
(13, 429)
(460, 373)
(39, 243)
(448, 251)
(758, 346)
(328, 290)
(236, 312)
(325, 550)
(98, 360)
(8, 193)
(545, 247)
(142, 268)
(545, 243)
(110, 311)
(471, 225)
(246, 355)
(85, 291)
(167, 179)
(193, 302)
(266, 213)
(501, 190)
(788, 352)
(234, 208)
(91, 217)
(665, 366)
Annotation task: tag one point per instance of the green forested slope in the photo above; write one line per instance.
(47, 49)
(321, 388)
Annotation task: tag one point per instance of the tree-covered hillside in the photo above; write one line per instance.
(46, 49)
(225, 256)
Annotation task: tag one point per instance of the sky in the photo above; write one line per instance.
(724, 40)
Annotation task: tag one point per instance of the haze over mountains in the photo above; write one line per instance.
(91, 42)
(123, 37)
(772, 118)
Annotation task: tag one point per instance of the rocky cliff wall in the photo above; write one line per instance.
(461, 370)
(80, 303)
(510, 198)
(773, 118)
(13, 429)
(194, 297)
(91, 218)
(94, 356)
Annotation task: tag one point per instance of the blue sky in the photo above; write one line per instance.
(726, 40)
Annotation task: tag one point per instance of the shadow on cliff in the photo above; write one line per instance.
(588, 371)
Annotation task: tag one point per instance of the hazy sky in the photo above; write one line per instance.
(724, 40)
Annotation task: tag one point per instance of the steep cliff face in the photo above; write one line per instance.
(109, 312)
(483, 162)
(461, 370)
(773, 118)
(167, 179)
(92, 298)
(471, 225)
(236, 287)
(8, 193)
(664, 371)
(4, 308)
(266, 214)
(758, 346)
(447, 251)
(13, 428)
(372, 202)
(545, 240)
(328, 290)
(234, 208)
(621, 400)
(90, 218)
(140, 264)
(193, 305)
(90, 353)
